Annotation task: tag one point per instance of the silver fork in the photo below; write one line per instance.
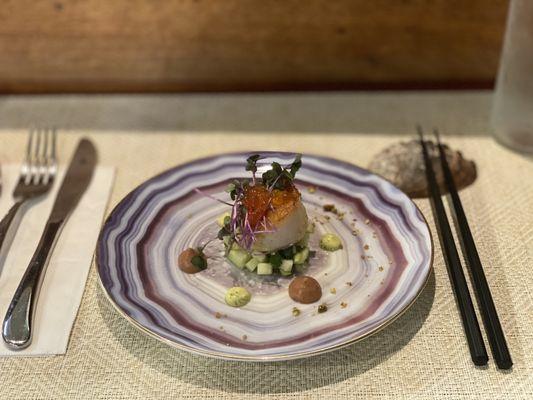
(36, 177)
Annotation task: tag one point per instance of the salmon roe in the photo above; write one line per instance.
(275, 205)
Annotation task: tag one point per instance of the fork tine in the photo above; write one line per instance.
(45, 156)
(54, 137)
(27, 164)
(28, 145)
(54, 145)
(37, 157)
(45, 144)
(53, 149)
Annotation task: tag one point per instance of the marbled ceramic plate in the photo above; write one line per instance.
(381, 270)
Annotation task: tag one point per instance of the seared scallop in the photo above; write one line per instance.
(279, 212)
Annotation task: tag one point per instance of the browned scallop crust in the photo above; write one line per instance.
(284, 202)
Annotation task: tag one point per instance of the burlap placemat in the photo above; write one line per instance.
(422, 355)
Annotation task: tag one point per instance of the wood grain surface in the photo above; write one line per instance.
(211, 45)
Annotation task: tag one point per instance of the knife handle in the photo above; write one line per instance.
(17, 327)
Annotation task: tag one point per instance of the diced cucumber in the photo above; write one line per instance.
(239, 258)
(261, 257)
(301, 256)
(300, 268)
(304, 241)
(226, 239)
(235, 246)
(330, 242)
(251, 265)
(221, 218)
(264, 269)
(286, 267)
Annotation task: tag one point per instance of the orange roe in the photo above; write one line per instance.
(275, 205)
(256, 200)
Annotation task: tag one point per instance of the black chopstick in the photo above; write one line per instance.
(495, 334)
(478, 352)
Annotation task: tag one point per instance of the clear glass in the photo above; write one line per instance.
(512, 113)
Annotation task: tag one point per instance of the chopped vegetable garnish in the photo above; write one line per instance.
(199, 262)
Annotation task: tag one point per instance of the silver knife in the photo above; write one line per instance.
(17, 327)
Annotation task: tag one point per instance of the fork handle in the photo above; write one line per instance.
(17, 327)
(6, 223)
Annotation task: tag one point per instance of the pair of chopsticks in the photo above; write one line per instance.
(493, 328)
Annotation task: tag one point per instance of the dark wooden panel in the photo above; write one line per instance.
(175, 45)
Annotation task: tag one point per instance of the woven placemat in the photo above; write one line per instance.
(422, 355)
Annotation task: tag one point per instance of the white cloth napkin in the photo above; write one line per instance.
(69, 265)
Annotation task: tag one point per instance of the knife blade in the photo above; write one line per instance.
(76, 180)
(17, 326)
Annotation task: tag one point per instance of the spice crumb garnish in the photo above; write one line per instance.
(322, 308)
(366, 247)
(349, 283)
(311, 189)
(344, 305)
(244, 337)
(367, 221)
(221, 327)
(218, 315)
(381, 268)
(329, 208)
(355, 232)
(295, 311)
(333, 290)
(332, 209)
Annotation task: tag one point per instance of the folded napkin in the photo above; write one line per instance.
(69, 265)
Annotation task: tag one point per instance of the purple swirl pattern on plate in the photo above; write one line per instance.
(384, 265)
